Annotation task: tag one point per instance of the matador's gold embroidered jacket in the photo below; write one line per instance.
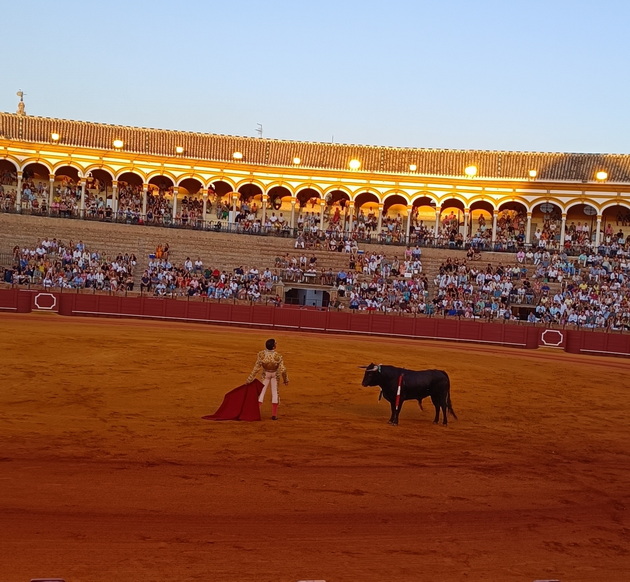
(269, 361)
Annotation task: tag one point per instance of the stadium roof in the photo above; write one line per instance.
(503, 165)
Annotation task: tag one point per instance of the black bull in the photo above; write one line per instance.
(414, 385)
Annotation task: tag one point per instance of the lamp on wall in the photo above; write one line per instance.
(470, 171)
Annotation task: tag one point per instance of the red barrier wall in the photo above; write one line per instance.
(381, 324)
(524, 336)
(403, 326)
(23, 303)
(313, 320)
(9, 300)
(338, 321)
(596, 342)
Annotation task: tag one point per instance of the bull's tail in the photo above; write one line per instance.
(449, 406)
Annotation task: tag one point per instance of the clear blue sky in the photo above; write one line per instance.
(542, 75)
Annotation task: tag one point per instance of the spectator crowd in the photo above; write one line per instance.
(53, 263)
(544, 285)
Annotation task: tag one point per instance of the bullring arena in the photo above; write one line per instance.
(107, 470)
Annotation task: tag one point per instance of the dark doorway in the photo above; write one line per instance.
(307, 297)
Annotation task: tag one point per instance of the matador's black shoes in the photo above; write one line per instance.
(274, 418)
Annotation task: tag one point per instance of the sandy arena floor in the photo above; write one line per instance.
(108, 473)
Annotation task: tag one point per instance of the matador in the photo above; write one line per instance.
(272, 365)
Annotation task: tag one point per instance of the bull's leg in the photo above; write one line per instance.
(393, 419)
(437, 405)
(444, 417)
(397, 412)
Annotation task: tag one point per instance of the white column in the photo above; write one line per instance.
(597, 232)
(350, 211)
(51, 190)
(114, 197)
(379, 227)
(564, 225)
(495, 215)
(234, 199)
(409, 214)
(292, 222)
(18, 196)
(528, 229)
(466, 222)
(145, 188)
(265, 198)
(438, 211)
(175, 194)
(204, 212)
(322, 206)
(82, 203)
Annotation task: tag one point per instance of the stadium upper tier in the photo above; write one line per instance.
(412, 163)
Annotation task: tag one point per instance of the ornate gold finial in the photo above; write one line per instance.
(21, 110)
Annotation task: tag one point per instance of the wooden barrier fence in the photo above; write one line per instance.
(523, 335)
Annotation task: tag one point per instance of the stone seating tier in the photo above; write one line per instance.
(220, 250)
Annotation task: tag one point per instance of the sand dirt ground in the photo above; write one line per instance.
(108, 473)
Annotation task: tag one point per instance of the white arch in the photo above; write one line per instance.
(393, 192)
(607, 205)
(105, 169)
(252, 182)
(157, 173)
(543, 200)
(483, 198)
(517, 199)
(190, 176)
(310, 186)
(453, 196)
(369, 192)
(13, 160)
(225, 179)
(132, 170)
(30, 161)
(69, 164)
(279, 185)
(339, 187)
(579, 202)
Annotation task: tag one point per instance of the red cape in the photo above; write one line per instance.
(239, 404)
